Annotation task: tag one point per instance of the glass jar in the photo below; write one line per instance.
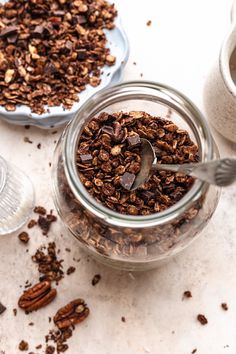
(123, 241)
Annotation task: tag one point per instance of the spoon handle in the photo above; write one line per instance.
(219, 172)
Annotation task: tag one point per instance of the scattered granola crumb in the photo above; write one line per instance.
(187, 294)
(27, 140)
(123, 319)
(2, 308)
(224, 306)
(149, 22)
(70, 270)
(202, 319)
(50, 350)
(39, 146)
(32, 223)
(48, 263)
(24, 237)
(31, 324)
(28, 285)
(96, 279)
(15, 312)
(44, 222)
(23, 346)
(40, 210)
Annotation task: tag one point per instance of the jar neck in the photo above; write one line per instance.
(125, 91)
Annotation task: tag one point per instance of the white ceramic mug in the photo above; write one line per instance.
(220, 87)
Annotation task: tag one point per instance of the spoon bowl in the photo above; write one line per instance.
(148, 158)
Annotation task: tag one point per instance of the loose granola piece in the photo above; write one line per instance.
(70, 270)
(202, 319)
(96, 279)
(32, 223)
(224, 306)
(187, 294)
(40, 210)
(23, 346)
(24, 237)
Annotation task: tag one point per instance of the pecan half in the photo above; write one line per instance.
(36, 297)
(74, 312)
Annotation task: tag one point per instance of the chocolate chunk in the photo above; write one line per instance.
(81, 20)
(86, 158)
(123, 319)
(108, 130)
(49, 69)
(38, 31)
(81, 54)
(8, 31)
(12, 39)
(68, 47)
(134, 141)
(147, 195)
(44, 224)
(127, 180)
(2, 308)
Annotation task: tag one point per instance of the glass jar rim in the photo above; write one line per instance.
(165, 93)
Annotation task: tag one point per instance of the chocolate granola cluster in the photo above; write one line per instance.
(51, 49)
(109, 158)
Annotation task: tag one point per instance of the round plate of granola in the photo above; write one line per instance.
(54, 56)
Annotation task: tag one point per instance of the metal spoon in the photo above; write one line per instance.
(219, 172)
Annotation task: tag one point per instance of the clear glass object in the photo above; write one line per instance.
(16, 198)
(123, 241)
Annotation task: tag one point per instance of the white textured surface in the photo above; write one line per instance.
(178, 49)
